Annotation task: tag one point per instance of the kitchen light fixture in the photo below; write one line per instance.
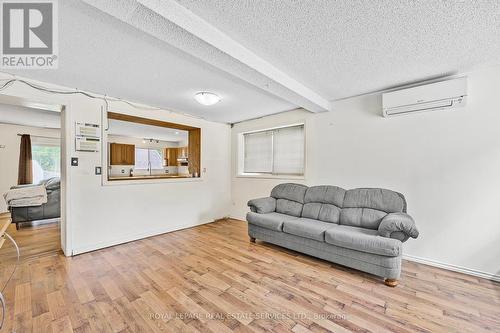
(206, 98)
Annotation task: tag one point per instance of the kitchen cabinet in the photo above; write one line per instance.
(171, 155)
(122, 154)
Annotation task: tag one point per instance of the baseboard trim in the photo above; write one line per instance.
(454, 268)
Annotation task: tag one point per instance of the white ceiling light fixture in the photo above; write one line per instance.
(207, 98)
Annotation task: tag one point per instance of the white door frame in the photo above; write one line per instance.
(66, 152)
(51, 102)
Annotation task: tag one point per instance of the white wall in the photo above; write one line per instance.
(102, 215)
(9, 156)
(446, 163)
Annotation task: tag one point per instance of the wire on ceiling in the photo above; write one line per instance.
(106, 99)
(73, 92)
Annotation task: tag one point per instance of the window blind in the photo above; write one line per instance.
(258, 149)
(289, 151)
(277, 151)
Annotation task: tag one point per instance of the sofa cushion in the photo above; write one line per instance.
(375, 198)
(363, 240)
(311, 210)
(289, 191)
(325, 194)
(307, 228)
(362, 217)
(366, 207)
(329, 213)
(323, 203)
(273, 221)
(288, 207)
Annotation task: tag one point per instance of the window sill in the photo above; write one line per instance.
(265, 176)
(137, 180)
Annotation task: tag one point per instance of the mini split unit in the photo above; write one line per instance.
(430, 97)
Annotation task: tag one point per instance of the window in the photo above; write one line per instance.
(156, 159)
(142, 149)
(148, 159)
(259, 152)
(278, 151)
(46, 156)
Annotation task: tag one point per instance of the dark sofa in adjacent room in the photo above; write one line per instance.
(49, 210)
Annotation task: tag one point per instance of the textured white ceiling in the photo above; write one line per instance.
(345, 48)
(336, 48)
(101, 54)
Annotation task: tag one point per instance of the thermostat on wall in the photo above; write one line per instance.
(87, 130)
(87, 144)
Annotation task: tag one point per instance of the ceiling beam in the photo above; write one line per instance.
(226, 54)
(187, 20)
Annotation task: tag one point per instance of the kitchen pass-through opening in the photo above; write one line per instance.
(142, 149)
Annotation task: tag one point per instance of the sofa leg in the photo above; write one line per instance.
(391, 282)
(252, 239)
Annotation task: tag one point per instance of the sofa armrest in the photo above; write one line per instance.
(399, 226)
(262, 205)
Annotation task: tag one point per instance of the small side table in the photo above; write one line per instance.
(5, 221)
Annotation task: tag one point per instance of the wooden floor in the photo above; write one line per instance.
(33, 241)
(210, 278)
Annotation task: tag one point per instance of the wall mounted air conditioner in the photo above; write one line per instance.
(435, 96)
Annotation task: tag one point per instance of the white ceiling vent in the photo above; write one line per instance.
(430, 97)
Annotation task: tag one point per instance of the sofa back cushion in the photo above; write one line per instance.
(288, 207)
(289, 191)
(366, 207)
(323, 203)
(289, 198)
(311, 210)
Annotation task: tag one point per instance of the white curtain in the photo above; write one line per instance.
(289, 150)
(258, 152)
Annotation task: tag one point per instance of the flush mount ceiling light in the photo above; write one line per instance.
(206, 98)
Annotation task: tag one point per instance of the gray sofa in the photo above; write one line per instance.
(362, 228)
(49, 210)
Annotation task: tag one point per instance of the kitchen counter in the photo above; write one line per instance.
(165, 176)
